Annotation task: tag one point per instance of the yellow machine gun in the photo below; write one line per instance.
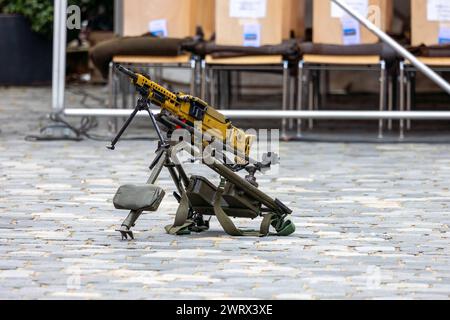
(193, 112)
(234, 197)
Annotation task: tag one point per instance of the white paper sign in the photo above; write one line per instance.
(351, 31)
(158, 28)
(255, 9)
(444, 35)
(252, 35)
(438, 10)
(361, 6)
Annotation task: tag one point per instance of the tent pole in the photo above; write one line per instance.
(59, 55)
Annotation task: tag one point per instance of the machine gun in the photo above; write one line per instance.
(235, 197)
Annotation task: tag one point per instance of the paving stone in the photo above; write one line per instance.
(372, 222)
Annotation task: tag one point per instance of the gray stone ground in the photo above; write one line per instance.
(372, 222)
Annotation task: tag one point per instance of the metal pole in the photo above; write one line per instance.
(301, 66)
(402, 98)
(394, 45)
(284, 122)
(193, 77)
(382, 97)
(55, 68)
(118, 17)
(59, 55)
(280, 114)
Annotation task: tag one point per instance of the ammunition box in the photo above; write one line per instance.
(236, 204)
(237, 199)
(201, 194)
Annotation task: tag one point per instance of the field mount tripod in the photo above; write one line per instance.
(234, 197)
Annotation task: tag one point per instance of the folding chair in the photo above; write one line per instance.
(341, 43)
(429, 47)
(276, 63)
(309, 74)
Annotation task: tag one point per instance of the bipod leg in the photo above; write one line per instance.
(130, 119)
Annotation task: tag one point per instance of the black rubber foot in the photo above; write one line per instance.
(126, 234)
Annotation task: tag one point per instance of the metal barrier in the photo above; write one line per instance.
(59, 82)
(280, 114)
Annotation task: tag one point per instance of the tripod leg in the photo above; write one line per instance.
(128, 223)
(181, 172)
(157, 168)
(133, 216)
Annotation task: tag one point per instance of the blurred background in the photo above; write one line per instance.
(339, 77)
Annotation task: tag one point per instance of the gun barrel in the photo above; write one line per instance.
(127, 72)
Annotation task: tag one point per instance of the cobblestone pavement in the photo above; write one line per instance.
(372, 222)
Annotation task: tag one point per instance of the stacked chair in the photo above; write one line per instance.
(254, 42)
(431, 45)
(153, 35)
(274, 48)
(340, 43)
(215, 40)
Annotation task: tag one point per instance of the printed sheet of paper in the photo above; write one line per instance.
(244, 9)
(158, 28)
(351, 31)
(361, 6)
(438, 10)
(252, 35)
(444, 34)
